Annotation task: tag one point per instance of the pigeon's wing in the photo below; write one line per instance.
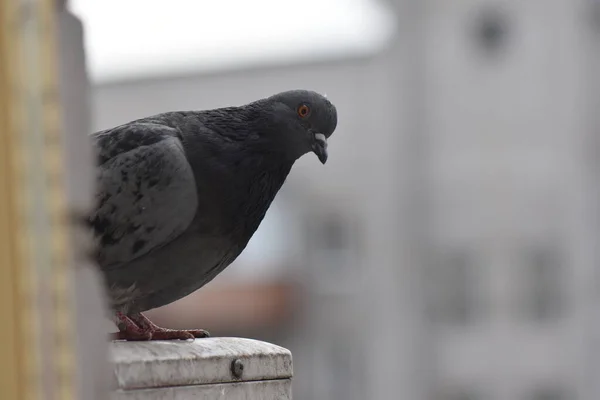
(146, 191)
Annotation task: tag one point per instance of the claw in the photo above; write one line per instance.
(199, 333)
(171, 335)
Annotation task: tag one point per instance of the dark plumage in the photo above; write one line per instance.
(181, 193)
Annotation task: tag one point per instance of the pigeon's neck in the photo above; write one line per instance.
(242, 193)
(249, 130)
(262, 186)
(232, 161)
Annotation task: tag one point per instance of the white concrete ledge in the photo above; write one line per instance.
(214, 368)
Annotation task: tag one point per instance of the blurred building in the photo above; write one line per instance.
(448, 250)
(507, 119)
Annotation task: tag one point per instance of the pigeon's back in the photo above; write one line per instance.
(146, 195)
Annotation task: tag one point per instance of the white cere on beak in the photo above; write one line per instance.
(320, 137)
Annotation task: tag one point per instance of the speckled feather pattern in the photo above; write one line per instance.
(181, 194)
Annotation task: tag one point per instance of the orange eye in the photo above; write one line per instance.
(303, 110)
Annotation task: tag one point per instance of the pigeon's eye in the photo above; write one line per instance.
(303, 110)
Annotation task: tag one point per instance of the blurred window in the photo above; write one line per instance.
(543, 284)
(453, 288)
(333, 249)
(331, 234)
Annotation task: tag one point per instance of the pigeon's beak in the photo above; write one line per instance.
(319, 147)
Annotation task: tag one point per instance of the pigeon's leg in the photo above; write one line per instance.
(128, 330)
(159, 333)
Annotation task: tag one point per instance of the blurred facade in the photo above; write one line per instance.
(448, 250)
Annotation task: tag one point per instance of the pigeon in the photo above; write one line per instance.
(180, 194)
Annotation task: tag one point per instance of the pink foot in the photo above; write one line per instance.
(139, 327)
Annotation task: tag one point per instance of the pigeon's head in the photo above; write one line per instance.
(304, 121)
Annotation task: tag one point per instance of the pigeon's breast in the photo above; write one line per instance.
(171, 272)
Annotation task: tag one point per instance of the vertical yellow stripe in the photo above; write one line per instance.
(56, 203)
(15, 291)
(33, 236)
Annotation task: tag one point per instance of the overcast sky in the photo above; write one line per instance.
(154, 37)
